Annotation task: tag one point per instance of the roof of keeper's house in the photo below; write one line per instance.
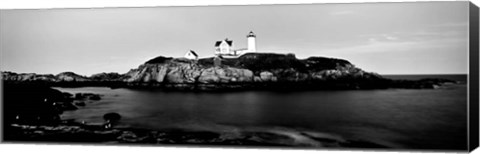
(194, 53)
(229, 42)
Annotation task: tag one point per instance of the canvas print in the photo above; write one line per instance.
(390, 76)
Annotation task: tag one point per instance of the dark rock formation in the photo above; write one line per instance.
(33, 103)
(112, 117)
(95, 97)
(79, 96)
(27, 103)
(107, 77)
(84, 96)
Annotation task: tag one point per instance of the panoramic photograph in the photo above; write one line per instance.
(388, 76)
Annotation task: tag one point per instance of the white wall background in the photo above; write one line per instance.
(84, 149)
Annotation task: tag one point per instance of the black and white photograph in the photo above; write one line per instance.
(356, 76)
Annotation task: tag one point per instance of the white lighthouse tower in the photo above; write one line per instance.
(251, 42)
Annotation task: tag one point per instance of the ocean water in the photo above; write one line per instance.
(399, 118)
(462, 78)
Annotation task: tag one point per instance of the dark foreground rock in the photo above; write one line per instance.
(71, 132)
(112, 116)
(27, 103)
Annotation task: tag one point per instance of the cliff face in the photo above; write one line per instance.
(176, 71)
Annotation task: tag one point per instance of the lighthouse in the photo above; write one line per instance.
(251, 42)
(224, 48)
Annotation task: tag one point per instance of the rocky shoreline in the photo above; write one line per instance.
(253, 71)
(70, 132)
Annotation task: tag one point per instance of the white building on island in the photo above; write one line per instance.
(252, 47)
(191, 55)
(225, 48)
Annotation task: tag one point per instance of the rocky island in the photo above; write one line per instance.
(251, 71)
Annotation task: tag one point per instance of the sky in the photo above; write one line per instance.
(386, 38)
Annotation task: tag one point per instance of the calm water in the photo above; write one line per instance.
(402, 118)
(456, 77)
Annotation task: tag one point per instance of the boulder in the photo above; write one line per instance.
(79, 96)
(112, 117)
(208, 76)
(267, 76)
